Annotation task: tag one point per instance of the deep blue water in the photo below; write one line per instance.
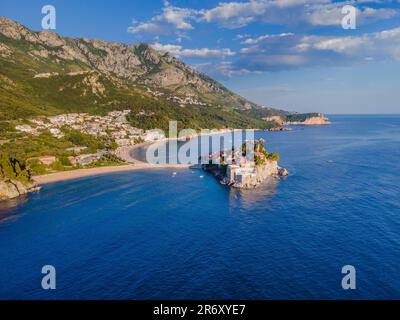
(152, 235)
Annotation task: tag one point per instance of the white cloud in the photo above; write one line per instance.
(340, 45)
(177, 17)
(171, 20)
(290, 12)
(383, 45)
(261, 38)
(207, 53)
(224, 69)
(178, 51)
(272, 54)
(242, 36)
(172, 49)
(331, 14)
(146, 27)
(237, 14)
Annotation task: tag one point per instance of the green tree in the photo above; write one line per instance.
(274, 157)
(57, 166)
(83, 139)
(65, 161)
(37, 168)
(259, 161)
(12, 168)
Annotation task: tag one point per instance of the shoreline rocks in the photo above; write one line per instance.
(280, 129)
(282, 172)
(10, 189)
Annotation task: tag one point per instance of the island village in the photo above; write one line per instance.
(246, 167)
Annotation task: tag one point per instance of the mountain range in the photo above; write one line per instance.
(43, 73)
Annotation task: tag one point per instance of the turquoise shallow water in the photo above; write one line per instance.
(153, 235)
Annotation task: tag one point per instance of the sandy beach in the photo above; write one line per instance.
(80, 173)
(124, 153)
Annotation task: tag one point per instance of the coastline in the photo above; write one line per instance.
(81, 173)
(124, 153)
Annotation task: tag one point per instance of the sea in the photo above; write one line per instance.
(180, 234)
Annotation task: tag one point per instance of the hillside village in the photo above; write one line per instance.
(188, 99)
(113, 127)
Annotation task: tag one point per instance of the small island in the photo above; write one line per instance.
(245, 168)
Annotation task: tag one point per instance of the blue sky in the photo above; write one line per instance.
(289, 54)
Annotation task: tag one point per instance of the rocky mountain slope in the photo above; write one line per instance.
(42, 73)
